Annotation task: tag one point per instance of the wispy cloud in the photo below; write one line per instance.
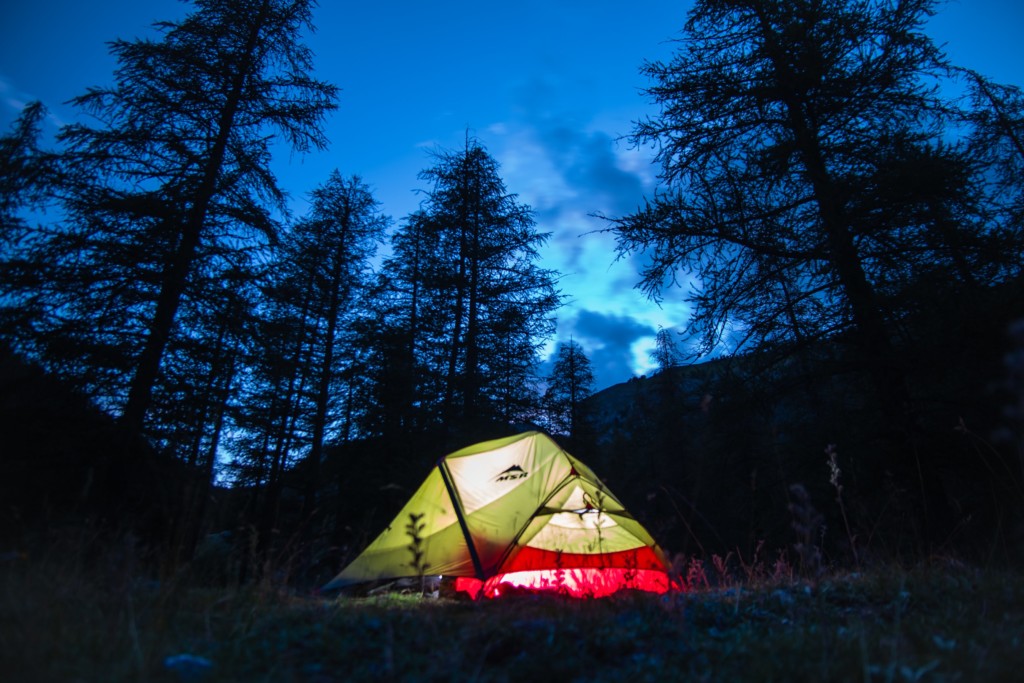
(15, 100)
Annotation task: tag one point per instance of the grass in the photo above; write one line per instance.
(61, 620)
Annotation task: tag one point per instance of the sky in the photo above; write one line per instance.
(550, 88)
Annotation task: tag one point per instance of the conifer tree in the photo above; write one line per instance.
(474, 305)
(400, 338)
(822, 186)
(332, 247)
(665, 353)
(810, 177)
(169, 179)
(26, 177)
(571, 380)
(23, 173)
(301, 373)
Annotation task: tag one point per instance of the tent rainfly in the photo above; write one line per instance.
(517, 512)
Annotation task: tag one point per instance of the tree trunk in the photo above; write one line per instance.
(180, 266)
(874, 343)
(470, 397)
(323, 393)
(448, 409)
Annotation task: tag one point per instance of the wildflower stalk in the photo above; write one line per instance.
(834, 478)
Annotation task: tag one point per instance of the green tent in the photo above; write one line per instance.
(516, 512)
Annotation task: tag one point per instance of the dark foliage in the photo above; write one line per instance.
(67, 465)
(850, 230)
(706, 454)
(571, 381)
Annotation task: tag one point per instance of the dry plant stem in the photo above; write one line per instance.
(806, 523)
(834, 477)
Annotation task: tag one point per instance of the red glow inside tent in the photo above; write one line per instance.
(582, 582)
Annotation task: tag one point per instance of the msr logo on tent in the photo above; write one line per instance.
(512, 473)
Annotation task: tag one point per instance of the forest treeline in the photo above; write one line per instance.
(848, 203)
(150, 262)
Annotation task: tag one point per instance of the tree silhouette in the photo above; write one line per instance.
(665, 353)
(995, 114)
(470, 305)
(571, 380)
(332, 248)
(807, 181)
(302, 365)
(23, 172)
(174, 177)
(822, 186)
(26, 178)
(401, 337)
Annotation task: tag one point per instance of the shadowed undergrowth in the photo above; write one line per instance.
(63, 620)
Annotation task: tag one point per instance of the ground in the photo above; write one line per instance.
(937, 621)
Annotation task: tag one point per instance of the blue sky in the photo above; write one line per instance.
(548, 86)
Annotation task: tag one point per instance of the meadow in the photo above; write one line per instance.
(91, 615)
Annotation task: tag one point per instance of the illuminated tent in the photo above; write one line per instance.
(516, 512)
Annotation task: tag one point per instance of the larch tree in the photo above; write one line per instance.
(571, 380)
(331, 249)
(26, 176)
(815, 178)
(23, 173)
(300, 373)
(782, 129)
(399, 332)
(172, 174)
(995, 118)
(665, 353)
(482, 303)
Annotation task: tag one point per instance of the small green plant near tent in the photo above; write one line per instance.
(414, 529)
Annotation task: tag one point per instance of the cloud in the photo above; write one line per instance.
(600, 172)
(609, 341)
(15, 100)
(571, 169)
(588, 161)
(569, 176)
(12, 99)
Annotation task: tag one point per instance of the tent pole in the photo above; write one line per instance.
(457, 503)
